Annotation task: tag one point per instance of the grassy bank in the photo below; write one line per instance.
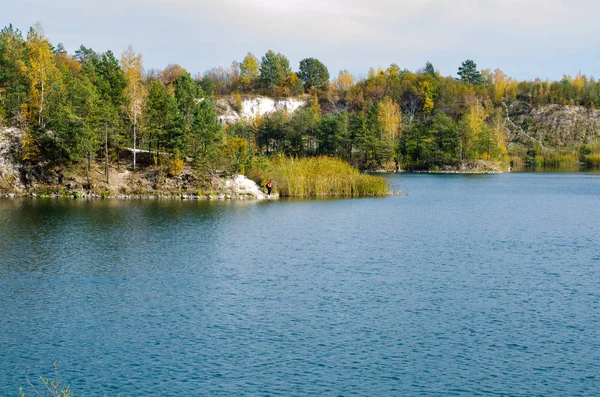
(585, 156)
(318, 177)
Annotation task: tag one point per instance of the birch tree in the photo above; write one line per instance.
(134, 91)
(41, 70)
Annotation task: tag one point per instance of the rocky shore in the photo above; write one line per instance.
(146, 182)
(128, 185)
(475, 167)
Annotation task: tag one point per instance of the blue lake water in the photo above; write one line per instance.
(462, 286)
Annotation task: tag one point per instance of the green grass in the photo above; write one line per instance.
(318, 177)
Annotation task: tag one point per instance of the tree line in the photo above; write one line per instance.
(90, 105)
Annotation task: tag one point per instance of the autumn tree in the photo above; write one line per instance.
(475, 135)
(222, 79)
(41, 71)
(427, 91)
(237, 153)
(390, 119)
(249, 71)
(170, 73)
(134, 91)
(503, 87)
(342, 84)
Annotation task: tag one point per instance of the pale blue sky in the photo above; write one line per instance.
(526, 38)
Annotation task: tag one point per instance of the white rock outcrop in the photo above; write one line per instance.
(240, 187)
(262, 105)
(252, 107)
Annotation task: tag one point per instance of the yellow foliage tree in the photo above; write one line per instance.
(472, 125)
(237, 151)
(249, 70)
(389, 118)
(393, 70)
(315, 107)
(500, 140)
(134, 91)
(426, 91)
(342, 83)
(503, 87)
(579, 83)
(41, 71)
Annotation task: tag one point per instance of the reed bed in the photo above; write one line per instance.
(322, 177)
(556, 160)
(592, 160)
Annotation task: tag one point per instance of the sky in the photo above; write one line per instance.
(524, 38)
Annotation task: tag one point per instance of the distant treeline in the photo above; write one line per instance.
(75, 107)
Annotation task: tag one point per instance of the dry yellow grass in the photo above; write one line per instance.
(321, 177)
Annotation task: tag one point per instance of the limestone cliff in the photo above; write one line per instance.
(553, 126)
(249, 108)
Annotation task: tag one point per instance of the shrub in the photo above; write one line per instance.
(175, 166)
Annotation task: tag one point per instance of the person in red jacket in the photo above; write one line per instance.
(269, 187)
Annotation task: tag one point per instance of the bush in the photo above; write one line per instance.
(175, 166)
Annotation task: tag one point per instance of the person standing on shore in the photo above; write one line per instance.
(269, 188)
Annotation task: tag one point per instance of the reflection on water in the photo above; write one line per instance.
(573, 167)
(470, 285)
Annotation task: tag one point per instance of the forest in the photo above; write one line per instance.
(100, 106)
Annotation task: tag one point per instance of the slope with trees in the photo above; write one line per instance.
(86, 108)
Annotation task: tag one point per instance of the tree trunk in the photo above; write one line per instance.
(106, 153)
(134, 125)
(41, 119)
(87, 171)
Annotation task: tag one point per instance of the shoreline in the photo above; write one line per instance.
(474, 172)
(466, 167)
(158, 196)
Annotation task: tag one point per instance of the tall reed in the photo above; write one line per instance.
(558, 160)
(592, 160)
(321, 177)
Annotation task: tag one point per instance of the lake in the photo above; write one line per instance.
(465, 285)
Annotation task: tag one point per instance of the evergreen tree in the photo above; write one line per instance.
(13, 84)
(274, 69)
(162, 118)
(206, 132)
(313, 73)
(469, 74)
(429, 69)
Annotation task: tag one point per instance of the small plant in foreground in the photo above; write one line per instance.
(52, 388)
